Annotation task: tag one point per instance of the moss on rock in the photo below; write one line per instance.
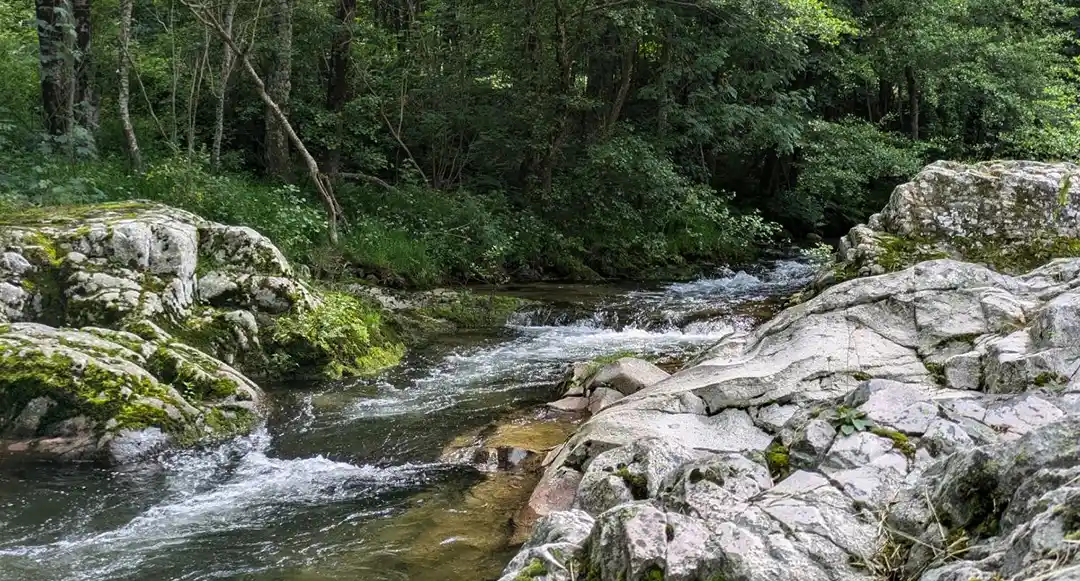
(777, 458)
(118, 381)
(342, 336)
(900, 441)
(468, 310)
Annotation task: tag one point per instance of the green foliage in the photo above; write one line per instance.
(553, 140)
(640, 213)
(19, 71)
(340, 337)
(777, 457)
(850, 421)
(846, 171)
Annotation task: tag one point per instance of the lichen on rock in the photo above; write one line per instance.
(149, 309)
(1010, 215)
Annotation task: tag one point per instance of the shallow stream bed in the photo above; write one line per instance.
(344, 482)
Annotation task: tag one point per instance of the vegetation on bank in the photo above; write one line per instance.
(422, 143)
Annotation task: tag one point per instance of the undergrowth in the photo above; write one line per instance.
(411, 236)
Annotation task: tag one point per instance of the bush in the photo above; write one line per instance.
(846, 172)
(640, 214)
(341, 337)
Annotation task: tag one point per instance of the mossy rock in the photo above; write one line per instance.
(119, 383)
(469, 310)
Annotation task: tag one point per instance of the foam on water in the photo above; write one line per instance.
(645, 322)
(234, 487)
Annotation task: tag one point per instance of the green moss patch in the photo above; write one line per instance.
(637, 483)
(1018, 257)
(777, 458)
(80, 387)
(343, 336)
(901, 442)
(469, 310)
(75, 213)
(534, 569)
(900, 253)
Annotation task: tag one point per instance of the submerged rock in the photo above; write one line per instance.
(919, 424)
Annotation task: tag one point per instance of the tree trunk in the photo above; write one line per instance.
(337, 90)
(56, 44)
(627, 72)
(228, 63)
(125, 87)
(913, 101)
(885, 91)
(322, 182)
(86, 106)
(278, 87)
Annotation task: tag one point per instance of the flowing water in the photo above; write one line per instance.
(344, 481)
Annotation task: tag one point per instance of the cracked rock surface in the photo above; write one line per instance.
(919, 424)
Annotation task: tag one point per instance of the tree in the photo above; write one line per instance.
(86, 106)
(124, 97)
(338, 92)
(322, 183)
(278, 87)
(228, 64)
(56, 40)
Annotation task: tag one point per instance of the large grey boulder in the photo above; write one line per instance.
(86, 294)
(111, 396)
(117, 265)
(1013, 214)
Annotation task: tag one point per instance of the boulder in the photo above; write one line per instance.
(570, 404)
(627, 375)
(111, 396)
(1015, 215)
(918, 423)
(86, 294)
(602, 398)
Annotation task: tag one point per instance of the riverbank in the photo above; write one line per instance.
(412, 237)
(347, 478)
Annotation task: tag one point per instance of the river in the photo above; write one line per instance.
(344, 481)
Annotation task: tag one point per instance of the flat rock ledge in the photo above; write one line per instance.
(923, 424)
(128, 328)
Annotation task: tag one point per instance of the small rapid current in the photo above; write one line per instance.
(344, 481)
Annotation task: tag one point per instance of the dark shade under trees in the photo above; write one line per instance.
(481, 139)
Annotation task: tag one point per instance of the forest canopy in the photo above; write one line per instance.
(422, 142)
